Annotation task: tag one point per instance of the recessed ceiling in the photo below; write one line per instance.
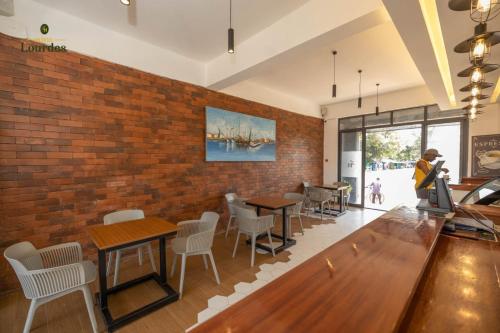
(378, 51)
(196, 29)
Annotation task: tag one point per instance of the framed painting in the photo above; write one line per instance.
(233, 136)
(486, 155)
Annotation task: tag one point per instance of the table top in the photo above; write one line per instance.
(271, 202)
(376, 271)
(335, 186)
(119, 234)
(459, 291)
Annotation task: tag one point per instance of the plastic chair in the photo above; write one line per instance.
(232, 200)
(52, 272)
(307, 202)
(124, 216)
(293, 211)
(252, 225)
(195, 238)
(320, 197)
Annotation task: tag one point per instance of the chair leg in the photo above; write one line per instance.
(110, 263)
(270, 242)
(211, 256)
(322, 204)
(289, 226)
(87, 295)
(254, 240)
(139, 255)
(183, 270)
(174, 262)
(229, 224)
(117, 266)
(205, 261)
(301, 227)
(31, 315)
(236, 243)
(151, 257)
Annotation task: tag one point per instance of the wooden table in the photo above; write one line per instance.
(369, 290)
(273, 203)
(340, 187)
(121, 235)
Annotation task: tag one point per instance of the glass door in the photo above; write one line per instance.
(351, 164)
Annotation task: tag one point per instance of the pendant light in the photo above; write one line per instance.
(334, 86)
(359, 97)
(376, 108)
(125, 2)
(479, 45)
(480, 10)
(230, 31)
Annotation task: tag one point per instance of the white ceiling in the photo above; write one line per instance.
(196, 29)
(378, 51)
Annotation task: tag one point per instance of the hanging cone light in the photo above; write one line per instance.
(359, 97)
(376, 108)
(334, 86)
(230, 31)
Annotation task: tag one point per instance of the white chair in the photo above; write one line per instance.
(195, 238)
(123, 216)
(252, 225)
(320, 197)
(307, 202)
(232, 200)
(293, 211)
(52, 272)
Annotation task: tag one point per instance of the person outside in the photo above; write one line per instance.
(375, 187)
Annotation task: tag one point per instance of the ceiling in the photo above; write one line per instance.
(308, 74)
(196, 29)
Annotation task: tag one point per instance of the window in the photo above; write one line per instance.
(383, 118)
(409, 115)
(350, 123)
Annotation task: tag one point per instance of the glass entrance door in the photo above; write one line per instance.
(391, 153)
(351, 168)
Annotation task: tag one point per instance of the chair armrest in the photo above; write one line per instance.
(265, 222)
(200, 241)
(50, 281)
(186, 228)
(62, 254)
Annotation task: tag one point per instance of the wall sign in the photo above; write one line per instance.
(486, 155)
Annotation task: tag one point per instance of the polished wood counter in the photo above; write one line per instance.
(460, 290)
(376, 270)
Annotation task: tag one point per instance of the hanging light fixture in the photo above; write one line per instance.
(480, 10)
(480, 86)
(473, 99)
(334, 86)
(230, 31)
(359, 97)
(125, 2)
(479, 45)
(476, 72)
(376, 108)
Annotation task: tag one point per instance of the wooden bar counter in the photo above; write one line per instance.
(377, 271)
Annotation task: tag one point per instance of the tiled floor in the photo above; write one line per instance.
(314, 240)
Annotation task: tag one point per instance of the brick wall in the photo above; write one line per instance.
(81, 137)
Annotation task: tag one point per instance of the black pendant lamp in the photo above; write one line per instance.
(480, 10)
(376, 108)
(479, 45)
(359, 97)
(230, 31)
(334, 86)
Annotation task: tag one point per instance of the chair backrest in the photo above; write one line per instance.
(295, 196)
(230, 196)
(231, 202)
(319, 194)
(210, 217)
(24, 257)
(248, 221)
(123, 216)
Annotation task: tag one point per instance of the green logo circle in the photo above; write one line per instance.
(44, 29)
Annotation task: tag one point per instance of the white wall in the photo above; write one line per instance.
(90, 39)
(486, 123)
(258, 93)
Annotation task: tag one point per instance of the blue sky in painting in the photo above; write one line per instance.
(231, 123)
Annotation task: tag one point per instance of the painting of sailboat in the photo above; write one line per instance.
(233, 136)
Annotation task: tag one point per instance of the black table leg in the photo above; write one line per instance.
(163, 261)
(258, 211)
(103, 297)
(341, 204)
(285, 225)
